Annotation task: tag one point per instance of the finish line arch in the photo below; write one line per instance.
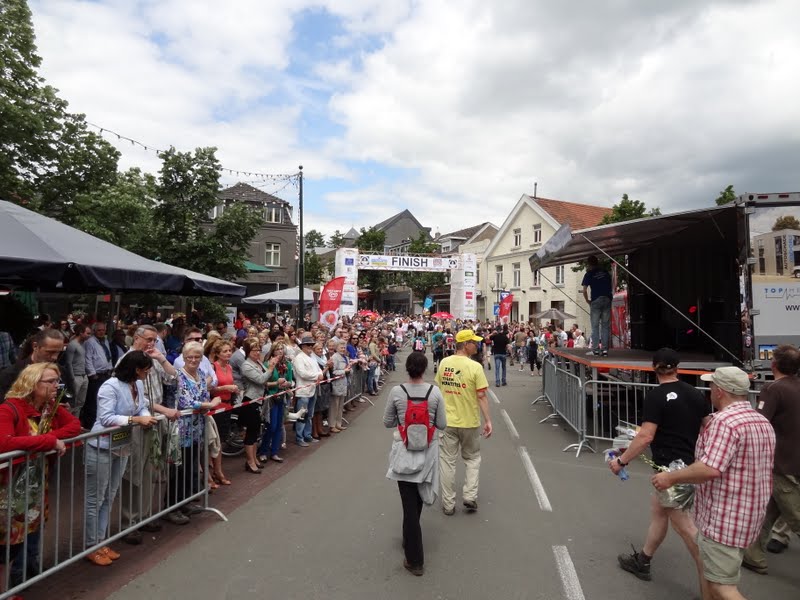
(463, 269)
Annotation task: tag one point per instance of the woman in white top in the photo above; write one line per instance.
(120, 402)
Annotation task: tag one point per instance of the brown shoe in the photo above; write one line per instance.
(99, 558)
(109, 553)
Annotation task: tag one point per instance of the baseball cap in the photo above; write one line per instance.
(467, 335)
(731, 379)
(666, 357)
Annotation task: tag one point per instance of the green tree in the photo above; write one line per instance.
(314, 239)
(337, 239)
(372, 240)
(187, 191)
(422, 283)
(786, 222)
(726, 196)
(47, 155)
(627, 210)
(313, 268)
(121, 213)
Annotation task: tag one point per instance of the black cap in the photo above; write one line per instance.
(666, 357)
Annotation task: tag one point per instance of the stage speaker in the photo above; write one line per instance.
(729, 334)
(646, 326)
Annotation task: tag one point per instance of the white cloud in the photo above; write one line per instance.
(474, 101)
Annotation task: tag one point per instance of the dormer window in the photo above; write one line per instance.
(273, 213)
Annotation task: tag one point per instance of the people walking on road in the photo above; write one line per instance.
(500, 343)
(465, 388)
(779, 402)
(673, 415)
(599, 280)
(733, 477)
(415, 467)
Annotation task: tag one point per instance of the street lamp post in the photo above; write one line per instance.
(301, 276)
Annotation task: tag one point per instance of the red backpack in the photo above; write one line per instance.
(417, 431)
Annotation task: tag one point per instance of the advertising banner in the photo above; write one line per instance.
(435, 264)
(347, 266)
(329, 302)
(505, 308)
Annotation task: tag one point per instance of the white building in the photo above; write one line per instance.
(505, 265)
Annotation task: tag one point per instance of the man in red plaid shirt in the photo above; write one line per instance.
(733, 470)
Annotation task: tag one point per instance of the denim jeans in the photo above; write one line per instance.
(103, 475)
(499, 363)
(600, 318)
(273, 434)
(372, 380)
(302, 428)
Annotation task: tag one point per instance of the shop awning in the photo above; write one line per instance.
(256, 268)
(567, 246)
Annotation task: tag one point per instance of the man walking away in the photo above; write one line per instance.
(600, 305)
(780, 403)
(464, 387)
(672, 417)
(733, 475)
(500, 344)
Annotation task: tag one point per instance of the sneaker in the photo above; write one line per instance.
(593, 353)
(192, 508)
(471, 505)
(176, 517)
(504, 383)
(151, 527)
(776, 546)
(635, 563)
(312, 440)
(449, 511)
(303, 444)
(604, 353)
(414, 570)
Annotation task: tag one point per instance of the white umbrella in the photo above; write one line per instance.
(287, 296)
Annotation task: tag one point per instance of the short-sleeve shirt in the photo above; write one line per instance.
(678, 409)
(779, 402)
(460, 379)
(499, 343)
(599, 281)
(740, 444)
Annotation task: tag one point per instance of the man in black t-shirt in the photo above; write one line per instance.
(674, 412)
(500, 344)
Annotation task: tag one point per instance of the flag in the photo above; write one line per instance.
(428, 304)
(330, 299)
(505, 308)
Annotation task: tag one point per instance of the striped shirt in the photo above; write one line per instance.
(740, 443)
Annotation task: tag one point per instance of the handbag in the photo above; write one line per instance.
(174, 453)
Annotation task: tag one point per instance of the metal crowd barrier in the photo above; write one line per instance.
(56, 510)
(594, 408)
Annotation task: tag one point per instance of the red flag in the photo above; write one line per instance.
(329, 301)
(505, 308)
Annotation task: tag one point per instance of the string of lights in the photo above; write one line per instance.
(263, 177)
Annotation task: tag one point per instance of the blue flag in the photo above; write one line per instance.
(428, 303)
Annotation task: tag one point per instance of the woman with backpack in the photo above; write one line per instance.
(416, 409)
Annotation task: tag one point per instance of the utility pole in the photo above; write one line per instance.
(301, 276)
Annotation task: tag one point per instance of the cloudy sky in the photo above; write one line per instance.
(451, 109)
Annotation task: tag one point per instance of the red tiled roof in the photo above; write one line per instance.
(578, 216)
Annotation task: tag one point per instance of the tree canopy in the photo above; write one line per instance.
(422, 283)
(786, 222)
(372, 240)
(726, 196)
(337, 239)
(627, 210)
(314, 239)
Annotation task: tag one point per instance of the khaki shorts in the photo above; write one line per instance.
(721, 564)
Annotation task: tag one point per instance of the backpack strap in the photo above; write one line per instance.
(430, 389)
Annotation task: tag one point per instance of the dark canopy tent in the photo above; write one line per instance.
(37, 252)
(691, 259)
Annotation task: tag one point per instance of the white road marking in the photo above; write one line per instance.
(510, 425)
(494, 397)
(533, 476)
(569, 577)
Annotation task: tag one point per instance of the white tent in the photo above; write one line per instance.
(287, 296)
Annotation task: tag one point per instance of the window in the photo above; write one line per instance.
(498, 277)
(537, 281)
(517, 238)
(446, 247)
(517, 275)
(272, 256)
(560, 275)
(273, 213)
(537, 233)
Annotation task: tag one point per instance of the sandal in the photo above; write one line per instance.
(222, 480)
(212, 485)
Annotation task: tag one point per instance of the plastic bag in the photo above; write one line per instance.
(680, 495)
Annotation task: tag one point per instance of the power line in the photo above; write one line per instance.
(290, 177)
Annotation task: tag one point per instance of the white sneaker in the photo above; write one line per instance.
(296, 416)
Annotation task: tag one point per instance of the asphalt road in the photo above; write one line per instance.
(547, 528)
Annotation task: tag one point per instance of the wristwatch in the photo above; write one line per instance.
(620, 463)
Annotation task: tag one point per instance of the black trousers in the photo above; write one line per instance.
(184, 479)
(412, 530)
(89, 411)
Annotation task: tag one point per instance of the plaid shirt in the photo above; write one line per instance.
(740, 443)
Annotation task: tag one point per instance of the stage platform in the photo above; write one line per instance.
(627, 359)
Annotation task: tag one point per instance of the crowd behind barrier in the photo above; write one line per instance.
(110, 483)
(595, 407)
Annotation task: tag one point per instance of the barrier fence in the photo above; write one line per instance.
(594, 408)
(58, 509)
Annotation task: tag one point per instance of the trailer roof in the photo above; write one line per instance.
(567, 246)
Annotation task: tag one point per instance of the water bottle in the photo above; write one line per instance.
(612, 454)
(623, 474)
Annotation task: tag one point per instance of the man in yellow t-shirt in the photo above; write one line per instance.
(464, 388)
